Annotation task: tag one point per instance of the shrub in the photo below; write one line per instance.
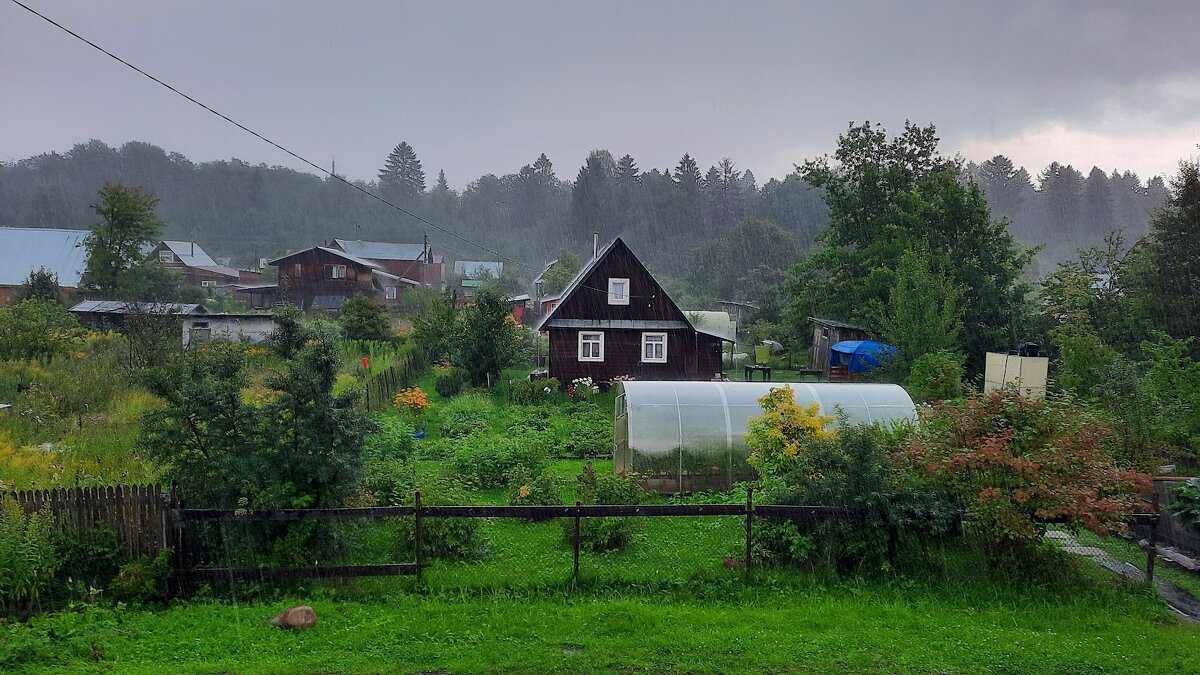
(526, 488)
(778, 438)
(143, 580)
(1187, 502)
(604, 534)
(524, 391)
(485, 462)
(465, 415)
(524, 419)
(1016, 464)
(582, 389)
(28, 560)
(443, 538)
(936, 376)
(91, 557)
(449, 383)
(589, 434)
(392, 440)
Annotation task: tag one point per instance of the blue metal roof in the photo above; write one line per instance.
(24, 249)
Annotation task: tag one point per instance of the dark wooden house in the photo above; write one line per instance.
(615, 319)
(322, 278)
(414, 262)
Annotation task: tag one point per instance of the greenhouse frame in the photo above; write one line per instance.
(689, 436)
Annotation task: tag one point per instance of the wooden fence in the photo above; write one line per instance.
(381, 388)
(139, 515)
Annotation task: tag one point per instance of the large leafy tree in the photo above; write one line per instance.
(891, 195)
(117, 264)
(364, 319)
(402, 175)
(41, 284)
(37, 329)
(486, 338)
(560, 273)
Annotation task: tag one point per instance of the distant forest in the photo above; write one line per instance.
(244, 211)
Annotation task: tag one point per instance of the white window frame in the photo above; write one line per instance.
(208, 283)
(337, 271)
(613, 298)
(598, 341)
(661, 359)
(166, 255)
(297, 269)
(389, 293)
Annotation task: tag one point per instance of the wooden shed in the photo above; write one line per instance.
(826, 333)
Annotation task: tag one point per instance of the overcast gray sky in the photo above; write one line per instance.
(483, 87)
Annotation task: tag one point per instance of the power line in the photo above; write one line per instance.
(261, 137)
(282, 148)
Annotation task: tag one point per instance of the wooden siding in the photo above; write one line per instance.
(648, 301)
(314, 280)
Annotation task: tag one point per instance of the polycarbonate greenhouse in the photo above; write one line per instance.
(689, 436)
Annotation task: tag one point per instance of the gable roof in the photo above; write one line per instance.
(381, 250)
(189, 253)
(332, 251)
(471, 268)
(578, 280)
(24, 249)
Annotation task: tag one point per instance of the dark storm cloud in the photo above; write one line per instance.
(484, 87)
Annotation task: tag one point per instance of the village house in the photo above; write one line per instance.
(251, 328)
(614, 319)
(322, 278)
(114, 313)
(196, 266)
(25, 249)
(407, 261)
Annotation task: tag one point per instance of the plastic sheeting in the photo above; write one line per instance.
(689, 436)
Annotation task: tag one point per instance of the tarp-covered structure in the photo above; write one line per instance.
(861, 356)
(678, 436)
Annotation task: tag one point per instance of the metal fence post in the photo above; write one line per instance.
(1152, 549)
(749, 530)
(575, 573)
(417, 534)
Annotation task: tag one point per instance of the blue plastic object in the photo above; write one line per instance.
(860, 356)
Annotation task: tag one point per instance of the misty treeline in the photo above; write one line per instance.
(679, 219)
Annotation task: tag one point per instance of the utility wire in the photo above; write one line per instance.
(261, 137)
(280, 147)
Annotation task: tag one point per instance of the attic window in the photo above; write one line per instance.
(618, 291)
(336, 271)
(389, 293)
(165, 255)
(591, 346)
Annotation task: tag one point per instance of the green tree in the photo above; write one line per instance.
(115, 247)
(923, 314)
(37, 329)
(402, 175)
(434, 328)
(364, 319)
(561, 273)
(41, 284)
(486, 338)
(887, 196)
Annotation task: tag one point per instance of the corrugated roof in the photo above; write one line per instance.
(473, 268)
(121, 307)
(381, 250)
(219, 269)
(24, 249)
(189, 253)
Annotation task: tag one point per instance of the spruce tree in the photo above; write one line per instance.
(402, 175)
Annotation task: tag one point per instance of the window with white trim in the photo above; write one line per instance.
(337, 271)
(297, 269)
(389, 293)
(618, 291)
(207, 283)
(165, 255)
(591, 346)
(654, 347)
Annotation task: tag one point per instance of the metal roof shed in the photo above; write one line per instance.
(689, 436)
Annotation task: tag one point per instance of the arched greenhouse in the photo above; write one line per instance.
(689, 436)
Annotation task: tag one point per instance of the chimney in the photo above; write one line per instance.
(595, 245)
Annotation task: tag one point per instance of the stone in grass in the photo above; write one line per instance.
(1058, 534)
(297, 617)
(1091, 551)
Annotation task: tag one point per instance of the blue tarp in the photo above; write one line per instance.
(860, 356)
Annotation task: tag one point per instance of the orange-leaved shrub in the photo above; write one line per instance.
(1016, 464)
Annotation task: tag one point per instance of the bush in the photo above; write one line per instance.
(1187, 503)
(1016, 464)
(526, 488)
(392, 440)
(465, 415)
(442, 538)
(143, 580)
(604, 534)
(582, 389)
(28, 560)
(449, 383)
(589, 434)
(486, 462)
(92, 557)
(937, 376)
(524, 391)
